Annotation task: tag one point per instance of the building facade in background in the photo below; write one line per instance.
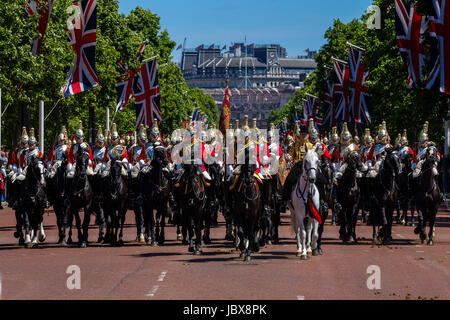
(261, 77)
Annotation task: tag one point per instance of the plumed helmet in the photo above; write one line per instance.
(79, 133)
(334, 135)
(32, 137)
(107, 136)
(114, 133)
(155, 129)
(325, 140)
(100, 136)
(367, 137)
(63, 134)
(122, 139)
(312, 129)
(142, 135)
(271, 131)
(255, 127)
(404, 139)
(423, 136)
(398, 140)
(245, 128)
(356, 140)
(346, 136)
(382, 131)
(237, 130)
(24, 135)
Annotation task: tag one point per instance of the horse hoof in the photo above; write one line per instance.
(63, 243)
(179, 237)
(309, 253)
(320, 251)
(248, 258)
(430, 242)
(101, 240)
(184, 242)
(154, 243)
(69, 241)
(16, 235)
(304, 257)
(21, 242)
(241, 255)
(417, 230)
(198, 253)
(315, 252)
(269, 243)
(191, 249)
(42, 238)
(299, 254)
(83, 244)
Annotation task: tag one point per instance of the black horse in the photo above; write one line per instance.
(324, 184)
(56, 191)
(384, 196)
(80, 197)
(193, 206)
(214, 192)
(427, 195)
(267, 213)
(405, 190)
(115, 203)
(156, 196)
(34, 199)
(246, 210)
(348, 194)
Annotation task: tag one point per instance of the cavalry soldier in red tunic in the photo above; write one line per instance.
(77, 148)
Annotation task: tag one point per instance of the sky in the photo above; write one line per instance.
(294, 24)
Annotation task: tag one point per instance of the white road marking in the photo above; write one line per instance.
(399, 235)
(153, 291)
(418, 246)
(448, 251)
(162, 276)
(300, 297)
(420, 251)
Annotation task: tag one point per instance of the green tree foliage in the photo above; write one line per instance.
(392, 101)
(41, 78)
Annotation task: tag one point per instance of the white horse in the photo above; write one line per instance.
(298, 206)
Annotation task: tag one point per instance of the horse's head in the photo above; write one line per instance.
(310, 165)
(353, 160)
(392, 161)
(431, 154)
(159, 157)
(82, 164)
(326, 167)
(34, 178)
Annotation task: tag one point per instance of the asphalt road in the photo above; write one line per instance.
(408, 269)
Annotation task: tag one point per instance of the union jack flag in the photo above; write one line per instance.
(340, 92)
(147, 94)
(411, 28)
(310, 110)
(125, 87)
(44, 9)
(359, 98)
(439, 78)
(329, 100)
(83, 38)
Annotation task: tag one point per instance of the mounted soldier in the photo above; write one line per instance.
(318, 145)
(421, 151)
(297, 153)
(59, 152)
(334, 149)
(76, 149)
(378, 151)
(16, 165)
(116, 151)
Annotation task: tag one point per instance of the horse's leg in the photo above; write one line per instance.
(122, 212)
(26, 226)
(139, 215)
(86, 222)
(153, 238)
(190, 229)
(206, 233)
(162, 235)
(315, 237)
(304, 255)
(19, 224)
(198, 232)
(309, 229)
(102, 222)
(78, 224)
(42, 235)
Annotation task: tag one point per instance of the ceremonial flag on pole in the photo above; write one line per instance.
(44, 9)
(125, 87)
(359, 98)
(439, 77)
(83, 39)
(329, 102)
(226, 112)
(411, 28)
(310, 110)
(340, 92)
(147, 94)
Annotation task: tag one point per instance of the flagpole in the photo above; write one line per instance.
(48, 114)
(354, 46)
(312, 96)
(151, 58)
(41, 126)
(338, 60)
